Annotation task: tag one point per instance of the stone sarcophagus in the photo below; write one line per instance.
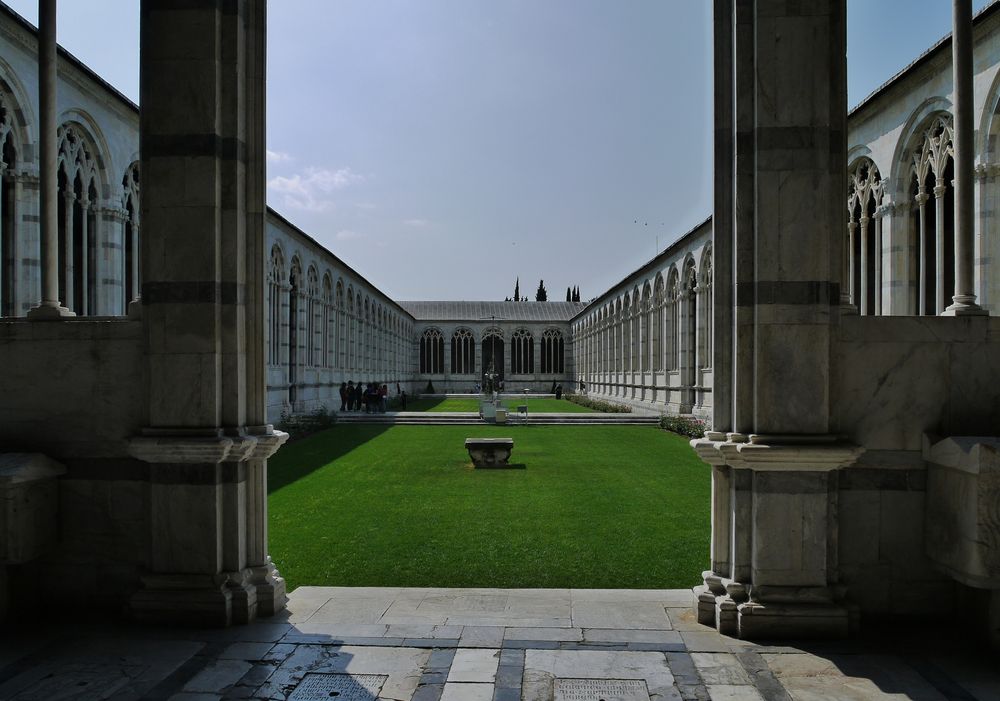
(962, 528)
(29, 503)
(489, 452)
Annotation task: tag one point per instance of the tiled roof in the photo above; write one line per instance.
(503, 311)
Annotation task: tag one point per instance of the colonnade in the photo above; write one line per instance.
(321, 333)
(652, 344)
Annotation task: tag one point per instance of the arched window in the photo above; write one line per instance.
(706, 305)
(431, 353)
(130, 236)
(341, 327)
(327, 329)
(933, 219)
(626, 335)
(671, 342)
(690, 317)
(295, 294)
(864, 232)
(78, 198)
(552, 352)
(645, 324)
(312, 317)
(522, 353)
(463, 353)
(275, 283)
(656, 333)
(8, 226)
(350, 330)
(364, 350)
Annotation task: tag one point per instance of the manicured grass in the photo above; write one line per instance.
(593, 506)
(536, 405)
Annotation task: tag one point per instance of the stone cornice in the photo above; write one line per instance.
(196, 447)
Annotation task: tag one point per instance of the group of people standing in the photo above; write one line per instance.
(373, 396)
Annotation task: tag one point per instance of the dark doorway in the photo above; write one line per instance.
(493, 355)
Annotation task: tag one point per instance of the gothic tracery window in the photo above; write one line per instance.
(312, 316)
(431, 352)
(522, 353)
(656, 334)
(275, 282)
(130, 236)
(327, 328)
(933, 217)
(864, 234)
(552, 352)
(8, 229)
(463, 353)
(77, 211)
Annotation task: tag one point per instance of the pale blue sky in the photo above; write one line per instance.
(443, 147)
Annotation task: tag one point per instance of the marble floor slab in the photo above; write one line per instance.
(428, 644)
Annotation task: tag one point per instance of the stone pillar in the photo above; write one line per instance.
(864, 306)
(922, 198)
(206, 439)
(879, 216)
(774, 538)
(852, 275)
(83, 304)
(939, 292)
(68, 234)
(964, 298)
(48, 154)
(722, 221)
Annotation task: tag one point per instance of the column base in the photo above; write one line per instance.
(270, 585)
(964, 306)
(47, 312)
(195, 600)
(760, 621)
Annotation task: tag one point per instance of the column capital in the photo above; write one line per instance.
(939, 191)
(921, 197)
(778, 453)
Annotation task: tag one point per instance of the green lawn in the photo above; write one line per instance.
(536, 405)
(593, 506)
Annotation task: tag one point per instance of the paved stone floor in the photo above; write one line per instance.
(491, 644)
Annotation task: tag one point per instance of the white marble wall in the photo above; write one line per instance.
(647, 342)
(357, 333)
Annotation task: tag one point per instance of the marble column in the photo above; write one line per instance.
(864, 307)
(879, 217)
(723, 216)
(964, 298)
(48, 154)
(940, 295)
(852, 274)
(921, 200)
(69, 232)
(83, 304)
(206, 440)
(774, 469)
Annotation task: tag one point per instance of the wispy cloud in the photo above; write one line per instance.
(312, 189)
(278, 156)
(349, 235)
(416, 223)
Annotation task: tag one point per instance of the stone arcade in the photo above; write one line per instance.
(845, 356)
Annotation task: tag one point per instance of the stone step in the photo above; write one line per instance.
(469, 418)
